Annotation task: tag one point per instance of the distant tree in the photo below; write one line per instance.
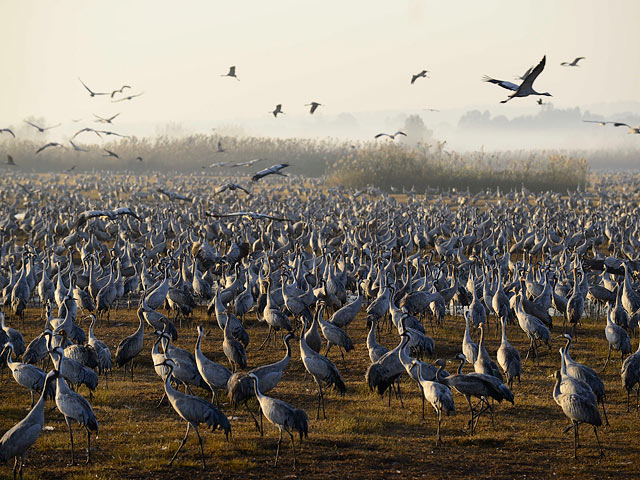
(416, 131)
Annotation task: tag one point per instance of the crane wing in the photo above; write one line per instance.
(527, 83)
(503, 83)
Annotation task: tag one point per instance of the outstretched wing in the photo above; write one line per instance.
(225, 215)
(527, 83)
(8, 130)
(503, 83)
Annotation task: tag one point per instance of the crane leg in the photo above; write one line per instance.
(15, 466)
(184, 440)
(132, 369)
(164, 394)
(204, 465)
(88, 445)
(575, 440)
(608, 357)
(73, 458)
(266, 339)
(628, 401)
(326, 354)
(293, 448)
(22, 464)
(439, 440)
(604, 410)
(595, 430)
(258, 427)
(275, 463)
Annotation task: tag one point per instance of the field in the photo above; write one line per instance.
(362, 437)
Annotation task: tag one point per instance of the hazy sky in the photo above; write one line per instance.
(353, 56)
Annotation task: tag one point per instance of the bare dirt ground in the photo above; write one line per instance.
(362, 437)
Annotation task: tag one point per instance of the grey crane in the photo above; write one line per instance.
(102, 351)
(73, 405)
(18, 439)
(193, 410)
(384, 372)
(312, 334)
(72, 370)
(277, 110)
(41, 129)
(579, 409)
(469, 347)
(587, 374)
(483, 363)
(233, 349)
(231, 73)
(322, 370)
(508, 356)
(630, 375)
(422, 74)
(129, 348)
(533, 327)
(214, 374)
(272, 170)
(240, 386)
(347, 314)
(573, 63)
(91, 92)
(28, 376)
(15, 337)
(617, 337)
(575, 304)
(437, 394)
(314, 106)
(526, 87)
(479, 386)
(284, 416)
(100, 119)
(333, 334)
(375, 349)
(111, 214)
(392, 136)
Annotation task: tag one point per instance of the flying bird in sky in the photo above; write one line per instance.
(314, 106)
(277, 110)
(42, 129)
(574, 63)
(91, 92)
(172, 196)
(106, 132)
(112, 214)
(247, 163)
(110, 153)
(273, 170)
(105, 120)
(10, 161)
(86, 129)
(139, 158)
(50, 144)
(77, 148)
(391, 136)
(232, 187)
(8, 130)
(599, 122)
(219, 164)
(120, 90)
(232, 73)
(422, 74)
(632, 130)
(69, 170)
(526, 87)
(130, 97)
(251, 215)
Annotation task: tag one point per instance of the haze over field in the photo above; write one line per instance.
(356, 58)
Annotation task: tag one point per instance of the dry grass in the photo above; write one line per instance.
(362, 437)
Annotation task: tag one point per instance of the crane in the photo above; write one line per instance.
(284, 416)
(194, 410)
(437, 394)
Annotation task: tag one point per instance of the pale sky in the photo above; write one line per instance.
(353, 56)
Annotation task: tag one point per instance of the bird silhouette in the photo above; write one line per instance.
(391, 136)
(231, 73)
(8, 130)
(50, 144)
(277, 110)
(86, 129)
(77, 148)
(247, 163)
(273, 170)
(130, 97)
(422, 74)
(314, 106)
(526, 87)
(110, 153)
(42, 129)
(91, 92)
(574, 63)
(120, 90)
(105, 120)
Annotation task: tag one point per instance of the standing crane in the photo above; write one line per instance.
(630, 375)
(194, 410)
(214, 374)
(578, 409)
(73, 405)
(437, 394)
(18, 439)
(617, 338)
(508, 356)
(129, 348)
(322, 370)
(284, 416)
